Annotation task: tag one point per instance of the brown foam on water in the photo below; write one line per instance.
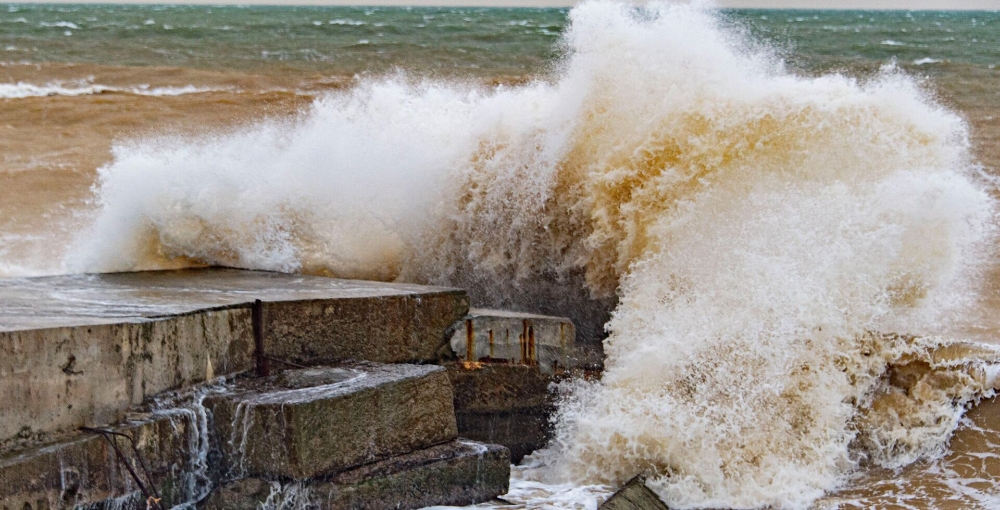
(966, 477)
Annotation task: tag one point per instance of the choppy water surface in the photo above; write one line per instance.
(796, 210)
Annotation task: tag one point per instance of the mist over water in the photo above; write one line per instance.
(788, 252)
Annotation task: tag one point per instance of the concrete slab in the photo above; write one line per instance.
(497, 336)
(305, 423)
(458, 473)
(91, 299)
(79, 350)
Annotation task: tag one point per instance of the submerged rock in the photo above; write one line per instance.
(634, 495)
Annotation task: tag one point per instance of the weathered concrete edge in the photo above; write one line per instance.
(401, 328)
(179, 290)
(59, 379)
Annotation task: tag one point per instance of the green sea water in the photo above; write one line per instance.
(474, 41)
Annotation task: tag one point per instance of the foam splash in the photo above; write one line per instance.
(762, 231)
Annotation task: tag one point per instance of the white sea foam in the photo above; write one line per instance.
(60, 24)
(759, 228)
(348, 22)
(22, 90)
(926, 60)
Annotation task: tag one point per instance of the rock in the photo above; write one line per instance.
(456, 473)
(634, 495)
(285, 426)
(82, 470)
(495, 336)
(502, 404)
(81, 349)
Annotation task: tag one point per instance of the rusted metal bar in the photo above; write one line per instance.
(470, 341)
(153, 499)
(257, 317)
(285, 362)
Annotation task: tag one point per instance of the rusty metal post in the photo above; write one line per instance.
(257, 317)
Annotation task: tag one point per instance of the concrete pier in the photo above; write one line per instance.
(80, 350)
(374, 394)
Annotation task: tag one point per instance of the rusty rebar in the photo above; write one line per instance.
(257, 318)
(152, 498)
(285, 362)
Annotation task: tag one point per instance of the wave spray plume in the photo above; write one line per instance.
(763, 232)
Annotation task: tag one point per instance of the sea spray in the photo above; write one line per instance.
(785, 250)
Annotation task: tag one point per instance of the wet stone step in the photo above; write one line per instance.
(83, 470)
(304, 423)
(455, 474)
(497, 336)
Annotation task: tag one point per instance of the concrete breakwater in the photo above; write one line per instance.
(120, 390)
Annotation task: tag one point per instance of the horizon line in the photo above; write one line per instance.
(537, 4)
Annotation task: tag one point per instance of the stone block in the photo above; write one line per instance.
(398, 327)
(487, 387)
(304, 423)
(521, 431)
(455, 474)
(634, 495)
(502, 404)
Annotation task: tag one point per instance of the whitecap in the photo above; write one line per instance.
(348, 22)
(21, 90)
(60, 24)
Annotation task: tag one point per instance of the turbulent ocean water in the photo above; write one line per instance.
(795, 211)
